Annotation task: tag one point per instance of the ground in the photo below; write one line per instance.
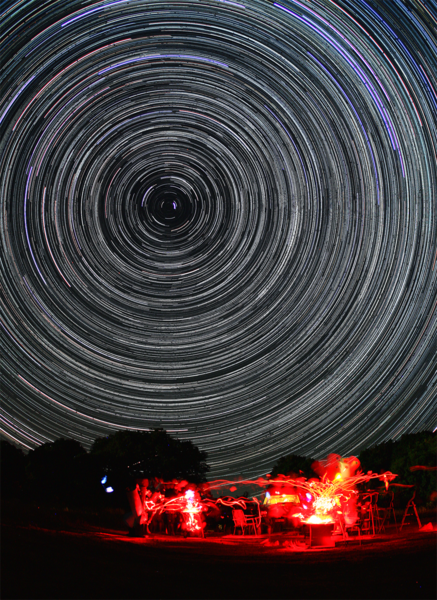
(69, 558)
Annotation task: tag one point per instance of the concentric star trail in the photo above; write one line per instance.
(220, 218)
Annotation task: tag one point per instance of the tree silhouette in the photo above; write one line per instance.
(126, 455)
(398, 457)
(56, 471)
(294, 465)
(13, 461)
(377, 458)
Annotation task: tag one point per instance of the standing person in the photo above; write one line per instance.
(136, 506)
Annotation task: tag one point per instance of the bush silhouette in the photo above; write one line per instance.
(13, 462)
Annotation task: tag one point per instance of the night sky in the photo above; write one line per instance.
(219, 218)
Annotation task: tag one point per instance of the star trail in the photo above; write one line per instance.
(219, 218)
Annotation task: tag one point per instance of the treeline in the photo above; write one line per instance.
(399, 457)
(63, 472)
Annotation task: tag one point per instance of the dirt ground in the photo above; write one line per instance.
(40, 559)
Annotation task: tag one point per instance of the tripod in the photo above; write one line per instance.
(411, 506)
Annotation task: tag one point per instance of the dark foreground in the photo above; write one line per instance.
(92, 562)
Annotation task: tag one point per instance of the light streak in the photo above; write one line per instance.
(287, 303)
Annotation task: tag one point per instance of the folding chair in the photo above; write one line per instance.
(254, 521)
(243, 521)
(369, 512)
(386, 512)
(239, 520)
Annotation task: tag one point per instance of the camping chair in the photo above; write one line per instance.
(349, 529)
(386, 514)
(377, 519)
(369, 513)
(243, 522)
(254, 521)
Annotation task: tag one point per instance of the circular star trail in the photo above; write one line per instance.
(219, 218)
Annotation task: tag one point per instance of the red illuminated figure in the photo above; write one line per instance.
(192, 513)
(188, 505)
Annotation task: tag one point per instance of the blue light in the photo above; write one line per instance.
(104, 480)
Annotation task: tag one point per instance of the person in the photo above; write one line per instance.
(155, 519)
(169, 516)
(134, 520)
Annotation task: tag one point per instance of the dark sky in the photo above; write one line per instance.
(219, 218)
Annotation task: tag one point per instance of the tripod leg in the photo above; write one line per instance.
(405, 514)
(394, 518)
(417, 516)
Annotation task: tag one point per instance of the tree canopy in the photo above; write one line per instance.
(63, 472)
(413, 449)
(294, 465)
(57, 471)
(150, 454)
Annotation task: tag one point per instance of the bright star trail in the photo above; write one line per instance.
(219, 218)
